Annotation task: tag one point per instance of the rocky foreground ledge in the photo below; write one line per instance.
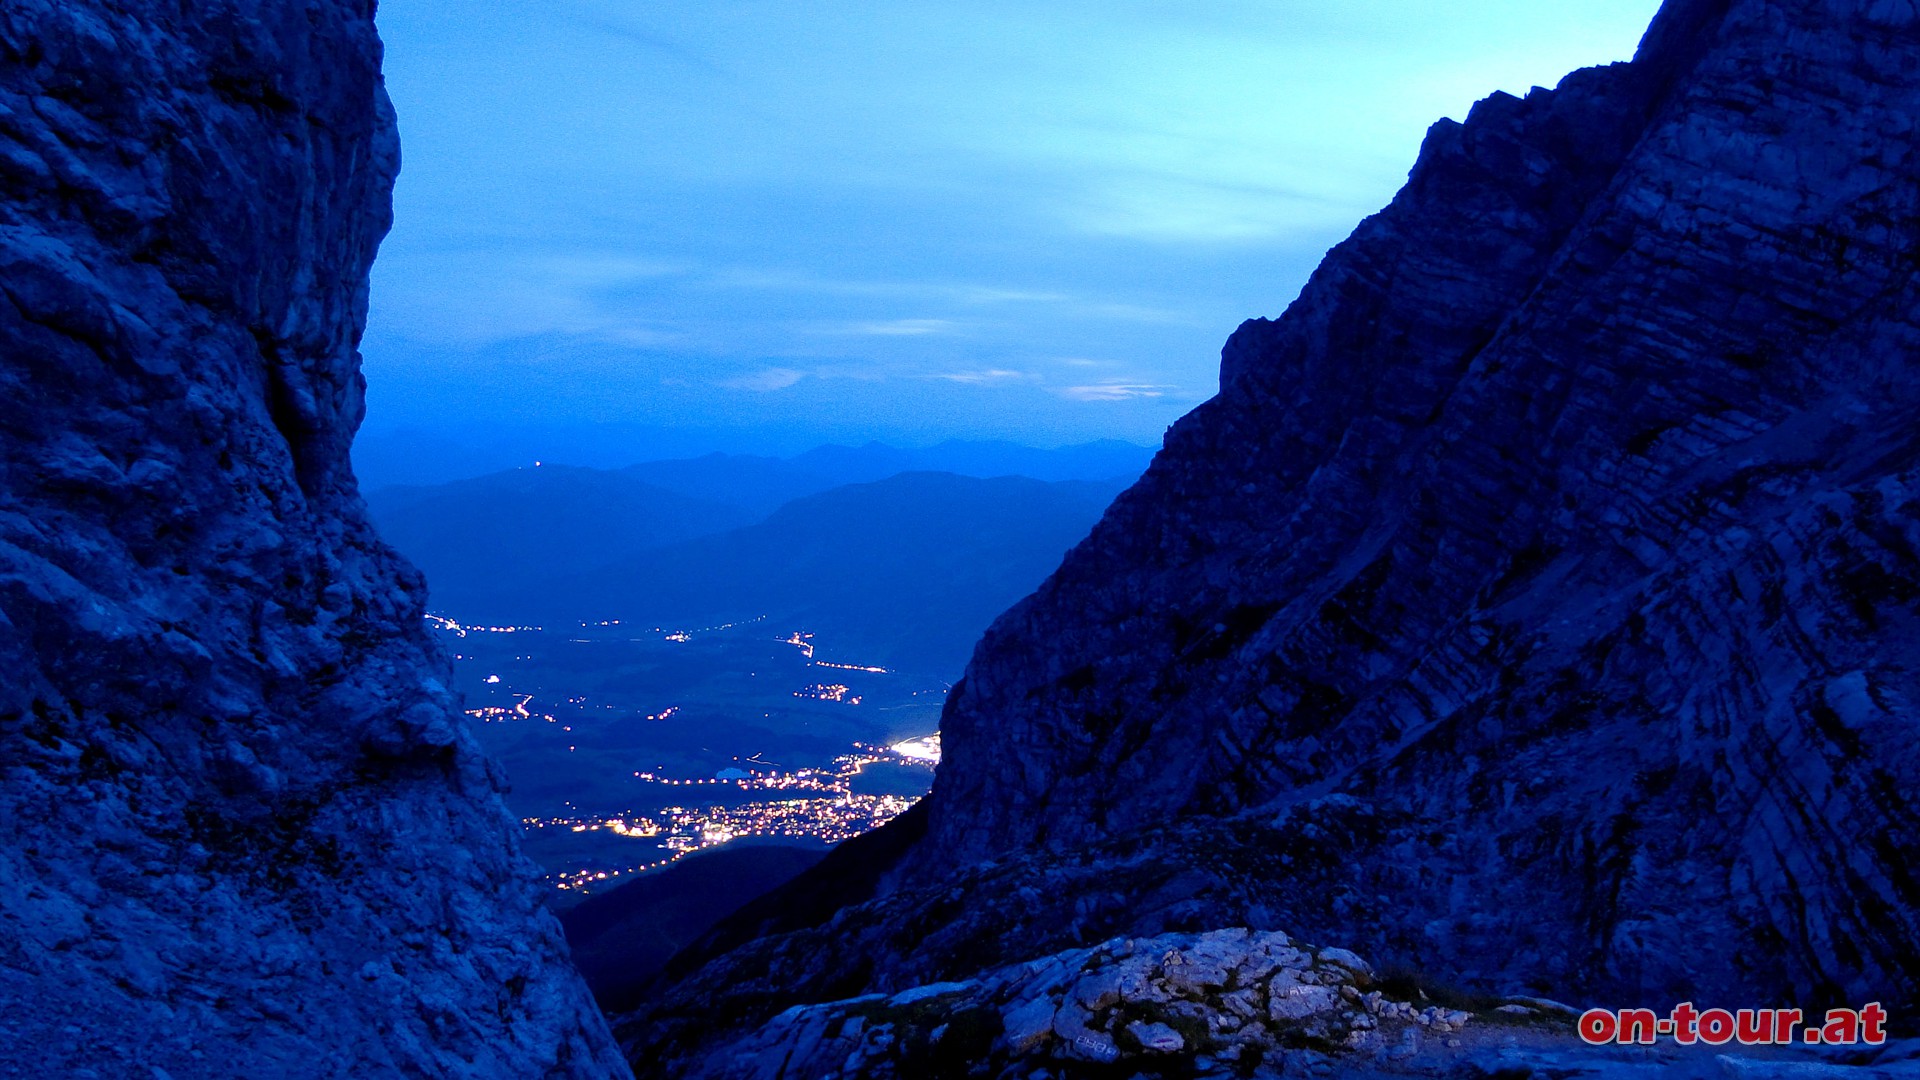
(1228, 1003)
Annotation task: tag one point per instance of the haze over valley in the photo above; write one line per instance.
(675, 654)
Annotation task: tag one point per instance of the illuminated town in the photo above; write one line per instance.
(737, 728)
(829, 811)
(829, 692)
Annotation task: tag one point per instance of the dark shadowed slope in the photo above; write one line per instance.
(1534, 606)
(622, 938)
(1108, 459)
(758, 485)
(906, 571)
(493, 546)
(477, 539)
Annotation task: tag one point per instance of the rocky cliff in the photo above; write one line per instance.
(242, 832)
(1534, 608)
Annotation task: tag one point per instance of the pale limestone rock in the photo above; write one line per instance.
(1157, 1038)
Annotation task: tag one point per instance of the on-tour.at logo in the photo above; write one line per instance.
(1687, 1025)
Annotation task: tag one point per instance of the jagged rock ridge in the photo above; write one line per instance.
(1533, 608)
(1571, 513)
(242, 830)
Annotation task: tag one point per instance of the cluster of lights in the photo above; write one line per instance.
(830, 821)
(683, 636)
(755, 780)
(489, 713)
(639, 826)
(441, 622)
(829, 692)
(821, 804)
(670, 782)
(682, 830)
(850, 667)
(924, 749)
(804, 642)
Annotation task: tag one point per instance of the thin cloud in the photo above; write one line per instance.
(900, 327)
(1140, 313)
(765, 382)
(1173, 209)
(598, 270)
(789, 281)
(659, 46)
(478, 298)
(981, 294)
(988, 377)
(1113, 391)
(966, 296)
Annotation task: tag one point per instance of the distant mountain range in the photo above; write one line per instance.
(1107, 459)
(475, 537)
(906, 571)
(754, 485)
(761, 484)
(416, 457)
(904, 568)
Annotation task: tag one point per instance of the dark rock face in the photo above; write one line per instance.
(1533, 608)
(1570, 514)
(622, 938)
(242, 831)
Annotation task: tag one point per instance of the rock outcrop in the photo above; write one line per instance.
(1238, 999)
(1534, 608)
(242, 830)
(1230, 1005)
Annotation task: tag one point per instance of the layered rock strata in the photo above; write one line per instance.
(242, 829)
(1533, 609)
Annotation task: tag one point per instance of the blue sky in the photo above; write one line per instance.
(767, 225)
